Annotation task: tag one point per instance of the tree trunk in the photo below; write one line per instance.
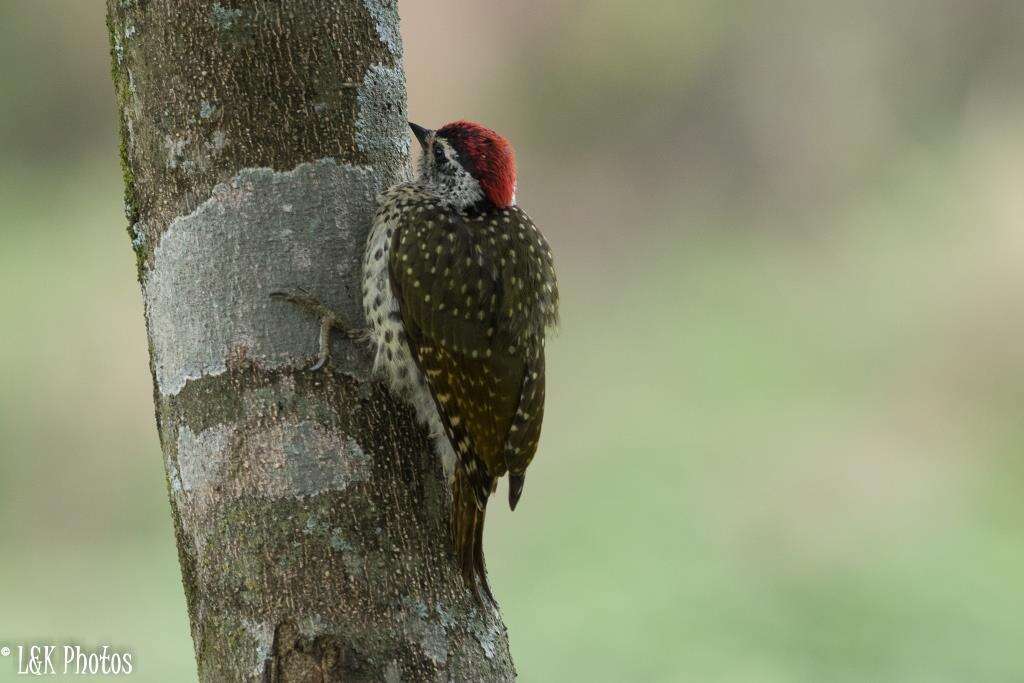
(311, 516)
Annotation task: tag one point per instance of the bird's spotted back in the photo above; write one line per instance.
(466, 269)
(476, 290)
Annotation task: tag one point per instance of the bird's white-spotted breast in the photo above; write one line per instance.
(384, 321)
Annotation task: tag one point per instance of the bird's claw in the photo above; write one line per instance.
(329, 321)
(358, 334)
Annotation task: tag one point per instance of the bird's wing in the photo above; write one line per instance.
(451, 286)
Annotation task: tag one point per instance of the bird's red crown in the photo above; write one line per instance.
(489, 157)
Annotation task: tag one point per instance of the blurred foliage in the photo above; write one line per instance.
(783, 438)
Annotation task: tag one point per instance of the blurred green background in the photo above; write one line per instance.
(784, 433)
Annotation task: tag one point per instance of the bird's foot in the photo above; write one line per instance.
(330, 321)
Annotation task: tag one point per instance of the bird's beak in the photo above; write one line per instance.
(422, 134)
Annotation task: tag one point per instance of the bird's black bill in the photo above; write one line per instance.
(421, 133)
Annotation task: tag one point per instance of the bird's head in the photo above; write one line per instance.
(467, 163)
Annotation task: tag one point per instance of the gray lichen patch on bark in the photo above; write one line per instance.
(429, 631)
(385, 17)
(208, 291)
(276, 460)
(381, 86)
(262, 635)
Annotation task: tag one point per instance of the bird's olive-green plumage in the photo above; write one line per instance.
(476, 289)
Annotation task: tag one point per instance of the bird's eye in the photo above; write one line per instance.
(438, 154)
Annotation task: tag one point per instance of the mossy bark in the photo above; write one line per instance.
(311, 516)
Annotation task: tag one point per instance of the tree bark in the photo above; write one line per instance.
(311, 515)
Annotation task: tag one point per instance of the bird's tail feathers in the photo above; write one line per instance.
(468, 512)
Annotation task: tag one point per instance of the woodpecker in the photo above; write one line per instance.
(459, 289)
